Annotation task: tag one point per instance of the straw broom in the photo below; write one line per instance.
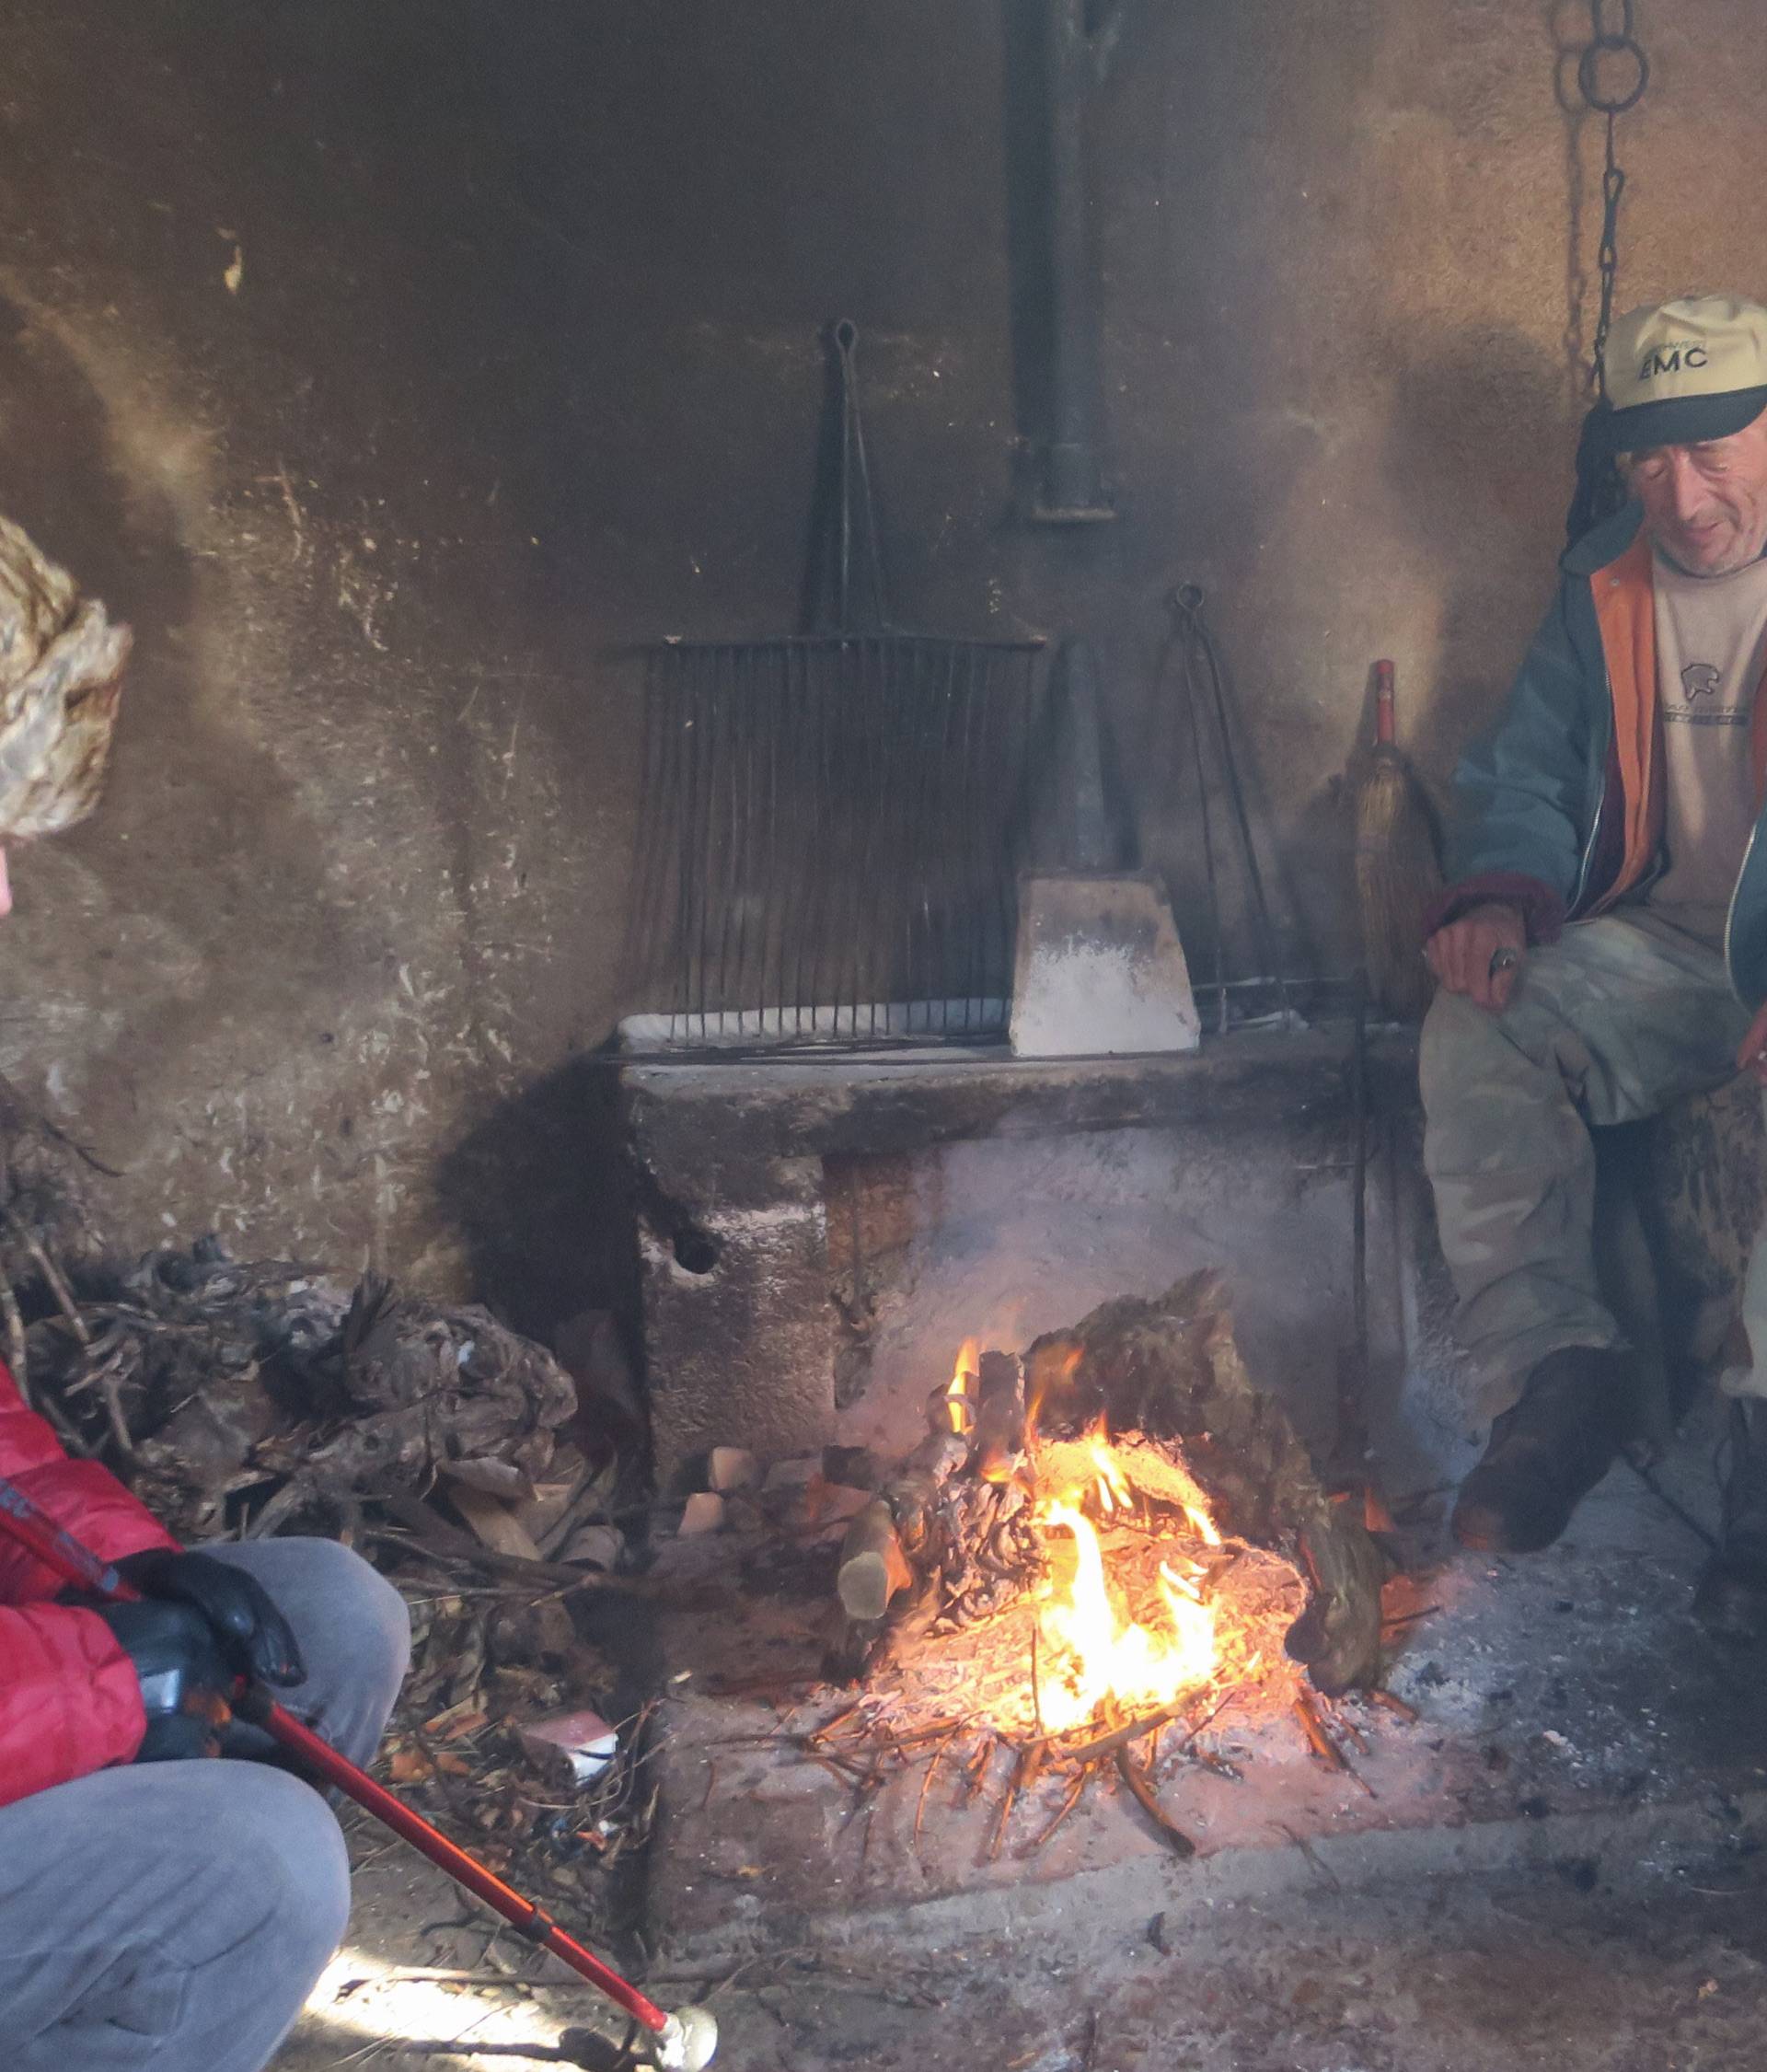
(1398, 867)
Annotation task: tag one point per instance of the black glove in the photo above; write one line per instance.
(185, 1680)
(253, 1635)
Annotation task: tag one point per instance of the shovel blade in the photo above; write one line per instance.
(1099, 970)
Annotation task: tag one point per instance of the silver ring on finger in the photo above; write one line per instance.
(1505, 959)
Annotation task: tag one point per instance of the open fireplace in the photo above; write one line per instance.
(1006, 1381)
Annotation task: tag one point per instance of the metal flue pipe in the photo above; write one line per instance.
(1071, 486)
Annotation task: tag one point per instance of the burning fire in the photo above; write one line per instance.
(960, 1398)
(1096, 1655)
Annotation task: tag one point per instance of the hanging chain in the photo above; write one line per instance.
(1622, 43)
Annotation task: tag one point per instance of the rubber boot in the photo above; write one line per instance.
(1546, 1455)
(1731, 1600)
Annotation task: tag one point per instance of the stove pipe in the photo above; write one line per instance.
(1072, 489)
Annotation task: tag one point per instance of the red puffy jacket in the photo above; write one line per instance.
(69, 1701)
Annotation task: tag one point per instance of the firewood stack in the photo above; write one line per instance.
(956, 1515)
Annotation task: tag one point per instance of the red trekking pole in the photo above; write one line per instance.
(683, 2041)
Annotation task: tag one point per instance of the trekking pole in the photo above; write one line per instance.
(683, 2041)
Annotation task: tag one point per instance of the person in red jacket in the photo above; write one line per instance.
(158, 1909)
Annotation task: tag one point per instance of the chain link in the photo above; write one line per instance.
(1606, 41)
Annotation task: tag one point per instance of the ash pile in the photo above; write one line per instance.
(239, 1399)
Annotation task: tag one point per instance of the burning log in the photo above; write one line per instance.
(998, 1446)
(1169, 1370)
(934, 1519)
(914, 1495)
(875, 1557)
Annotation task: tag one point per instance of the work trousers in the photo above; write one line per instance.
(174, 1917)
(1619, 1018)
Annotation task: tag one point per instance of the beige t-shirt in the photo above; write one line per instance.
(1711, 648)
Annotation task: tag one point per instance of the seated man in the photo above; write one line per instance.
(158, 1909)
(1602, 946)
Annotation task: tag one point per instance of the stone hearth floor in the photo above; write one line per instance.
(1560, 1865)
(1563, 1697)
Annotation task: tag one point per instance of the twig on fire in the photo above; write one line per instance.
(1122, 1737)
(1207, 1720)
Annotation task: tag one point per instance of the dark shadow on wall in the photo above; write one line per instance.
(542, 1194)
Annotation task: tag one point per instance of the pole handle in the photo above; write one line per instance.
(1384, 732)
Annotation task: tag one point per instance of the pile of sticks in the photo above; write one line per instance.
(868, 1744)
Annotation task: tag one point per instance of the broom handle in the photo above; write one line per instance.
(1384, 727)
(57, 1549)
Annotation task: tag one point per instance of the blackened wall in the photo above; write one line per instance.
(388, 363)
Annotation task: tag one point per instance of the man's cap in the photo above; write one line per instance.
(1682, 371)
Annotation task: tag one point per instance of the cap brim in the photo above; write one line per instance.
(1677, 420)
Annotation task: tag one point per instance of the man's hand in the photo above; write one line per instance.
(185, 1680)
(251, 1634)
(1751, 1052)
(1480, 955)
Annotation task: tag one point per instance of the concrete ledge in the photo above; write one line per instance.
(1124, 1896)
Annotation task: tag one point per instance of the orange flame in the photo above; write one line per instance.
(961, 1410)
(1096, 1655)
(1114, 1490)
(1204, 1524)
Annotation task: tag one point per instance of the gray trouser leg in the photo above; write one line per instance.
(173, 1917)
(354, 1633)
(170, 1919)
(1611, 1023)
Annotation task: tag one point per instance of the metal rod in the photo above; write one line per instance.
(1216, 928)
(1189, 601)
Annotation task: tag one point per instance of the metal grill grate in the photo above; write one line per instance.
(827, 848)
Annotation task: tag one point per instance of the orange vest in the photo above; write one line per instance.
(1625, 610)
